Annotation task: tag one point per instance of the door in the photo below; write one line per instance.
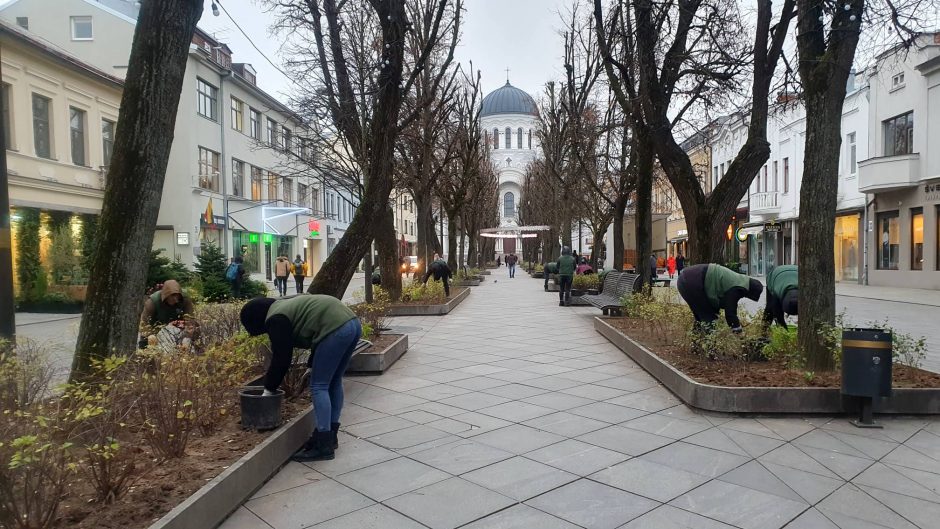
(509, 246)
(267, 261)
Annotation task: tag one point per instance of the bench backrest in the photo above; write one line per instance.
(610, 282)
(628, 284)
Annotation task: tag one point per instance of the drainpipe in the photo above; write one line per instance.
(865, 231)
(226, 235)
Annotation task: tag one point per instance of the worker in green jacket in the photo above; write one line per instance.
(550, 268)
(566, 266)
(331, 331)
(782, 293)
(708, 288)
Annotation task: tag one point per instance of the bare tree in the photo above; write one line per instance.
(144, 136)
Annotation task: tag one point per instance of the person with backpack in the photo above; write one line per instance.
(281, 271)
(299, 270)
(235, 275)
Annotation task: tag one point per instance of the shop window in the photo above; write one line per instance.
(917, 239)
(899, 135)
(845, 246)
(889, 249)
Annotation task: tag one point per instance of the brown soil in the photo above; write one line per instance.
(454, 292)
(169, 482)
(381, 342)
(768, 373)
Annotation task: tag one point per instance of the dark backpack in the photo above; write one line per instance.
(231, 275)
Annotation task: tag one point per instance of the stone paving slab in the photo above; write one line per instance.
(511, 412)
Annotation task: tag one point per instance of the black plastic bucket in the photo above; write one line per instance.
(260, 412)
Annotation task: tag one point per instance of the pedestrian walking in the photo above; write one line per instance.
(680, 263)
(299, 270)
(653, 266)
(281, 271)
(235, 275)
(671, 266)
(511, 261)
(499, 262)
(331, 331)
(566, 267)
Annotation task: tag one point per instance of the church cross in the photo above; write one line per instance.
(507, 75)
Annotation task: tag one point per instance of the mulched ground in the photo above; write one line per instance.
(383, 341)
(769, 373)
(168, 483)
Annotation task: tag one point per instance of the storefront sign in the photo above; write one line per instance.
(773, 228)
(730, 231)
(680, 233)
(314, 227)
(932, 191)
(182, 238)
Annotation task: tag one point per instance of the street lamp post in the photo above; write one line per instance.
(7, 311)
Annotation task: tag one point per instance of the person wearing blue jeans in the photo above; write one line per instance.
(331, 331)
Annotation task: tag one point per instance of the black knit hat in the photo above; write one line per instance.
(790, 305)
(755, 289)
(254, 313)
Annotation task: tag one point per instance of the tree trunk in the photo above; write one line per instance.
(462, 257)
(707, 235)
(452, 241)
(424, 221)
(598, 236)
(644, 209)
(473, 252)
(387, 245)
(135, 179)
(619, 212)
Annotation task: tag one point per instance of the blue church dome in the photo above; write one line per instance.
(508, 100)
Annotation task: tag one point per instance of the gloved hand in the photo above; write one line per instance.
(268, 393)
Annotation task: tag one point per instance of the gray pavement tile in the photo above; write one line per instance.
(850, 505)
(896, 430)
(787, 428)
(378, 426)
(407, 437)
(558, 401)
(515, 391)
(474, 401)
(587, 377)
(881, 476)
(444, 410)
(479, 423)
(401, 383)
(910, 458)
(391, 402)
(868, 446)
(515, 376)
(811, 487)
(518, 439)
(449, 504)
(929, 480)
(607, 412)
(919, 511)
(438, 391)
(520, 517)
(845, 466)
(823, 440)
(307, 505)
(669, 517)
(790, 456)
(753, 445)
(593, 505)
(696, 459)
(552, 368)
(419, 416)
(666, 426)
(552, 383)
(290, 476)
(715, 438)
(450, 426)
(926, 443)
(374, 517)
(243, 519)
(753, 475)
(647, 400)
(354, 414)
(740, 506)
(519, 478)
(752, 427)
(812, 519)
(391, 478)
(630, 384)
(479, 383)
(427, 445)
(648, 479)
(577, 457)
(352, 454)
(681, 411)
(445, 376)
(516, 411)
(625, 440)
(482, 369)
(461, 456)
(566, 424)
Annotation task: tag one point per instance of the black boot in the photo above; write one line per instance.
(334, 429)
(318, 448)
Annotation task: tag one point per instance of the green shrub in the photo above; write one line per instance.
(253, 289)
(64, 263)
(161, 268)
(373, 314)
(586, 282)
(367, 331)
(216, 290)
(905, 349)
(782, 345)
(430, 293)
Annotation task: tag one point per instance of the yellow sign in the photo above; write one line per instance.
(730, 231)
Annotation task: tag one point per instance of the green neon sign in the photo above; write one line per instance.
(267, 237)
(253, 238)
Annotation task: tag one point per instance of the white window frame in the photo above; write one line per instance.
(82, 18)
(851, 156)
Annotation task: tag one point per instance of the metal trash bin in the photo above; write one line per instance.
(866, 369)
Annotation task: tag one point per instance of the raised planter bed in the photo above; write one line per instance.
(537, 275)
(408, 309)
(386, 350)
(762, 399)
(216, 500)
(485, 272)
(467, 283)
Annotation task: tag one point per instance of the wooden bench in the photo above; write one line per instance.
(616, 286)
(663, 282)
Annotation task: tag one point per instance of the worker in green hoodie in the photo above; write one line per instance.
(548, 271)
(709, 288)
(331, 331)
(782, 293)
(566, 266)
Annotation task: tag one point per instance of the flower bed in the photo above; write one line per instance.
(385, 351)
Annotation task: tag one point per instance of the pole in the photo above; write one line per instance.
(7, 310)
(579, 238)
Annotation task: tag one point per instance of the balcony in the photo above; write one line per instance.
(768, 202)
(889, 172)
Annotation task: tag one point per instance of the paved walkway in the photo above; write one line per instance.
(512, 412)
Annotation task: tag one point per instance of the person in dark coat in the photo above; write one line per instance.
(441, 272)
(550, 268)
(238, 273)
(680, 263)
(709, 288)
(566, 267)
(653, 266)
(782, 293)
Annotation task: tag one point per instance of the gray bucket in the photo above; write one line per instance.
(259, 412)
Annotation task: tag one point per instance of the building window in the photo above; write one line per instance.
(272, 187)
(899, 135)
(208, 169)
(714, 175)
(890, 248)
(256, 177)
(508, 138)
(7, 130)
(42, 137)
(897, 80)
(82, 28)
(238, 114)
(509, 205)
(917, 239)
(238, 177)
(495, 139)
(254, 123)
(271, 136)
(314, 199)
(303, 193)
(718, 176)
(786, 176)
(519, 142)
(206, 99)
(77, 135)
(107, 141)
(529, 134)
(852, 153)
(288, 191)
(23, 22)
(937, 216)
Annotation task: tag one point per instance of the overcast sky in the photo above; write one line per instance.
(521, 35)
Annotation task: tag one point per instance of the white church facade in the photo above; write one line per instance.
(509, 117)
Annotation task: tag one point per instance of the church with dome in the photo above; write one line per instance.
(509, 117)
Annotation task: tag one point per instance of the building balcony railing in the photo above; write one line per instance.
(768, 202)
(889, 172)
